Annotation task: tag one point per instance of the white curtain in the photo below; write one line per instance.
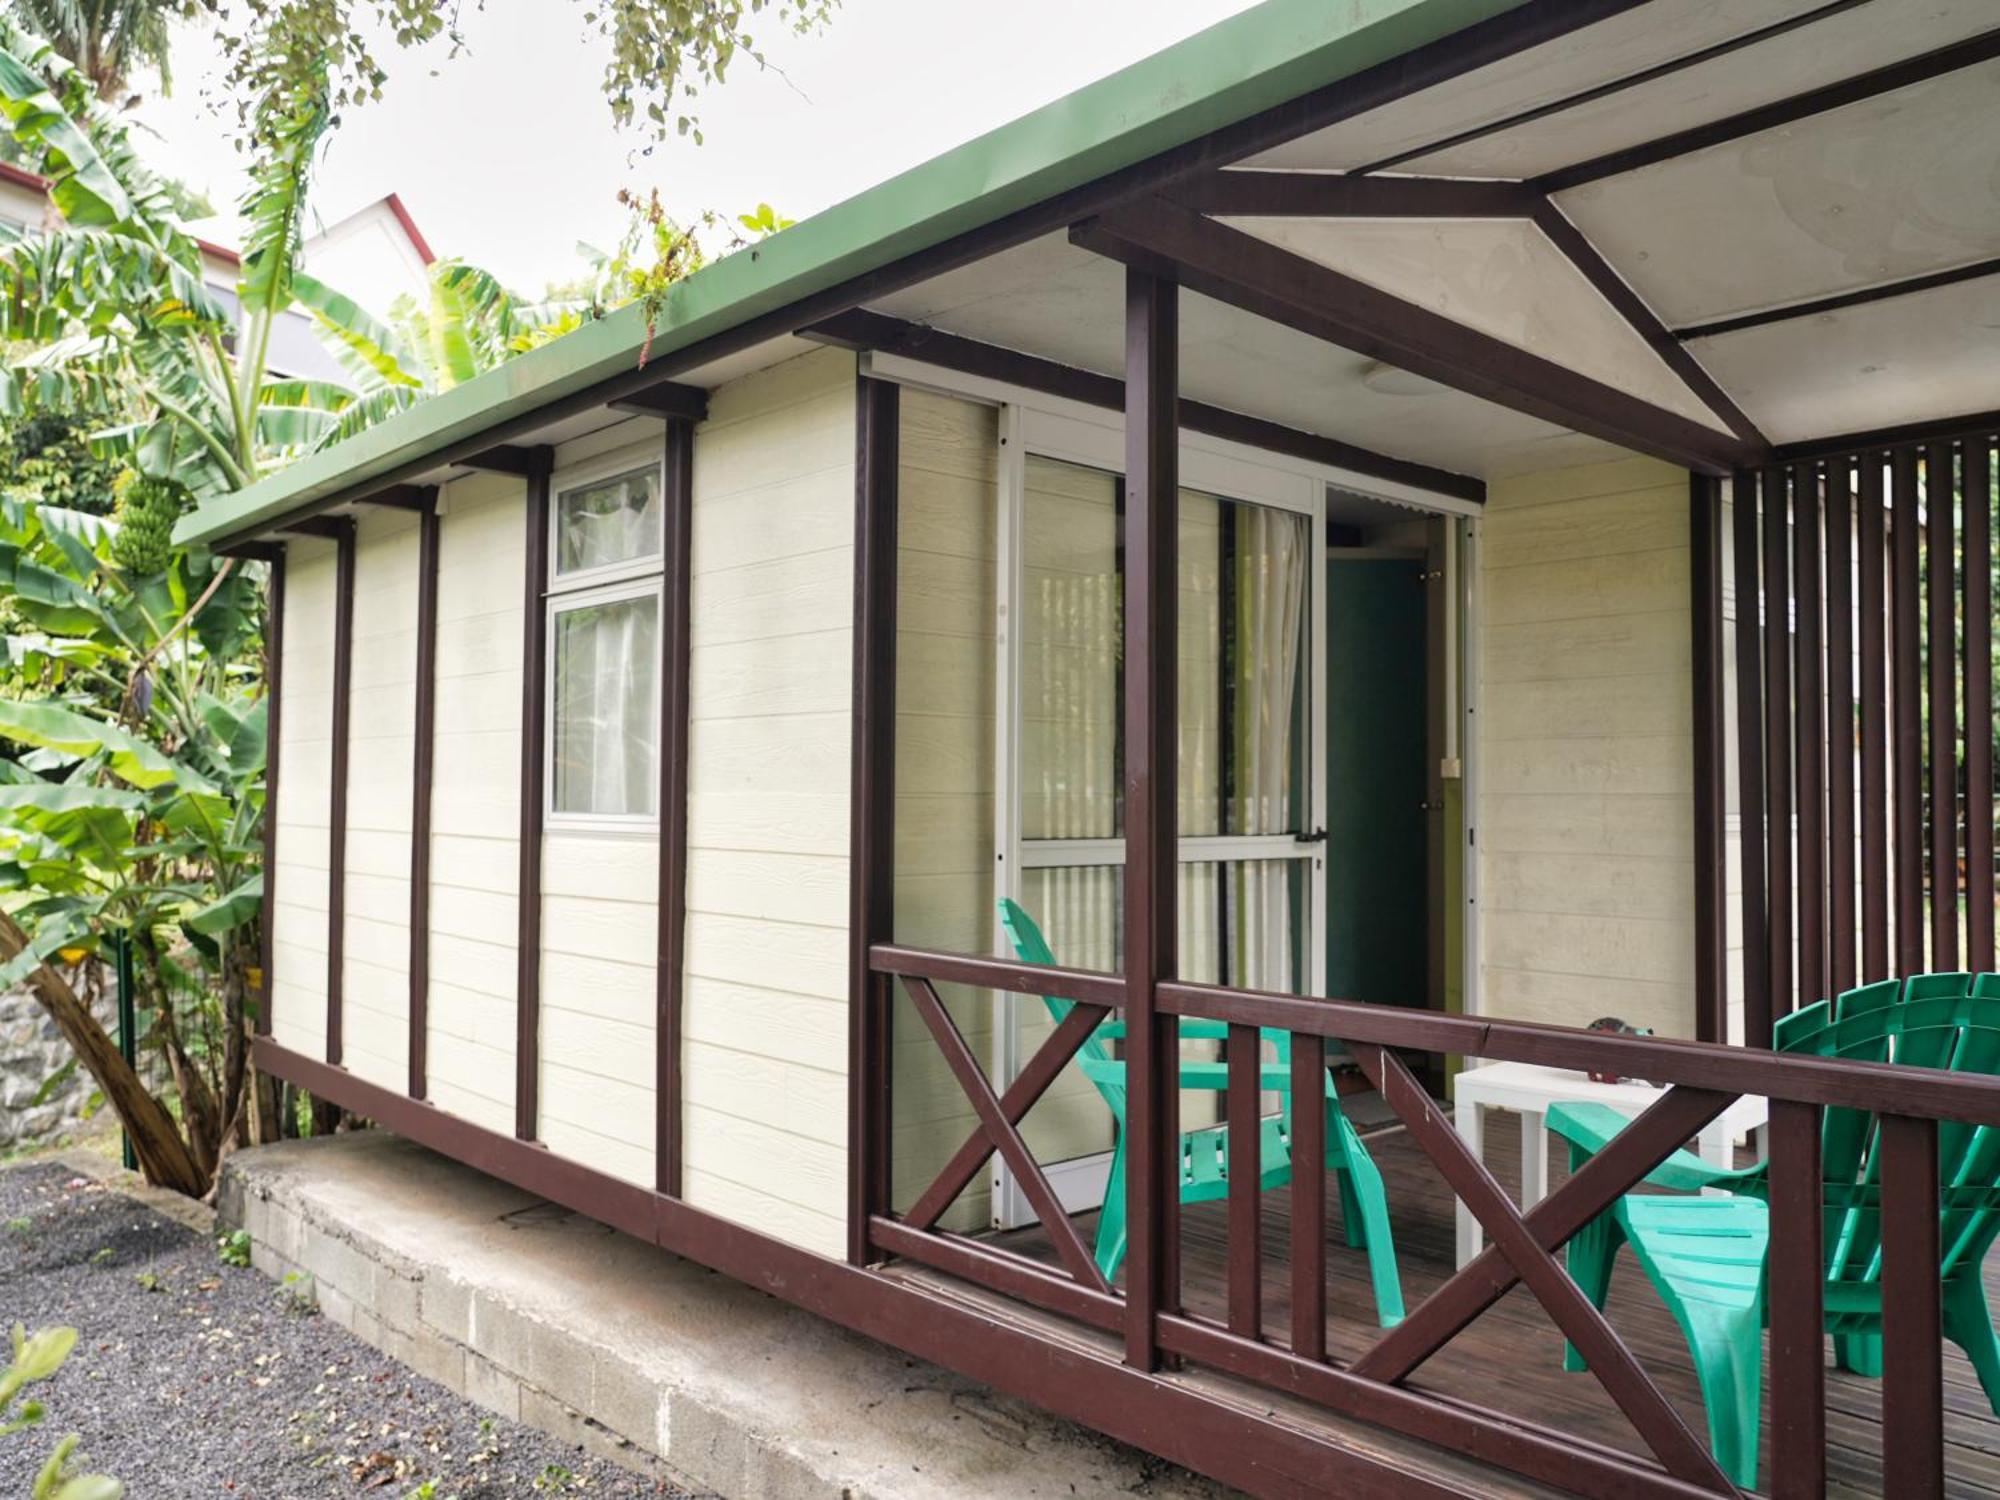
(607, 707)
(613, 521)
(1270, 600)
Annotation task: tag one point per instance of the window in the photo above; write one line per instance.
(604, 648)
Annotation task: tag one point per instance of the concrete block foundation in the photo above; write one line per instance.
(549, 1318)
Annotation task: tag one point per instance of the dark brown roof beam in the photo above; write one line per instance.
(1615, 86)
(665, 398)
(332, 528)
(1973, 425)
(265, 552)
(1838, 300)
(1324, 195)
(412, 497)
(864, 330)
(1230, 266)
(1629, 305)
(504, 458)
(1883, 80)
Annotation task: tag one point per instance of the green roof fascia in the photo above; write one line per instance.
(1262, 58)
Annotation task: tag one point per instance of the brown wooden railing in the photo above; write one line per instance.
(1700, 1081)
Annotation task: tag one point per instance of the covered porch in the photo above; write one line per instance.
(1748, 248)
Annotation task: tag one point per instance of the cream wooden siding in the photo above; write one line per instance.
(1586, 829)
(946, 577)
(375, 986)
(765, 1008)
(305, 753)
(475, 801)
(600, 940)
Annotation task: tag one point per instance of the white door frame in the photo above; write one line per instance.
(1053, 427)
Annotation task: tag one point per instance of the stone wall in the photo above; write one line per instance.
(31, 1050)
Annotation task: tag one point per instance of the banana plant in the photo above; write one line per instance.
(107, 314)
(132, 804)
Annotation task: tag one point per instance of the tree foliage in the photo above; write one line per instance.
(664, 53)
(109, 40)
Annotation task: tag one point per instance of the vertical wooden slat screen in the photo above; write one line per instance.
(1778, 787)
(1810, 733)
(1906, 711)
(1750, 765)
(1711, 754)
(1864, 682)
(1941, 621)
(1872, 689)
(1976, 488)
(1838, 481)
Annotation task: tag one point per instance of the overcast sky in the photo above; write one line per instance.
(506, 156)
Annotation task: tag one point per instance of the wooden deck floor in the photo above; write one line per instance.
(1511, 1359)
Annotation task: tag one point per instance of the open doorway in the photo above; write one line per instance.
(1392, 816)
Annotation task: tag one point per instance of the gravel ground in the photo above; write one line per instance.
(194, 1378)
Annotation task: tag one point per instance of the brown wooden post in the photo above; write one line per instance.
(1778, 738)
(1711, 882)
(1978, 491)
(1798, 1337)
(1840, 723)
(534, 769)
(1912, 1321)
(1906, 686)
(871, 877)
(1809, 734)
(1308, 1238)
(1941, 620)
(1151, 714)
(676, 632)
(1873, 691)
(336, 832)
(423, 736)
(274, 708)
(1750, 765)
(1242, 1108)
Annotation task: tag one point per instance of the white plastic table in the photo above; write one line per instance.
(1529, 1089)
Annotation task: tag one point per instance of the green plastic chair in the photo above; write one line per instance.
(1706, 1255)
(1204, 1155)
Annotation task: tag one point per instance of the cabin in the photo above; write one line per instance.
(1382, 535)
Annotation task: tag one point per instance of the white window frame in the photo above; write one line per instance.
(611, 583)
(615, 465)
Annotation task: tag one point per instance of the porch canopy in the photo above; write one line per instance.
(1712, 233)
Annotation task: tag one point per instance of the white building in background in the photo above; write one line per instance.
(374, 254)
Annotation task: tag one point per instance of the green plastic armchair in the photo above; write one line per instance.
(1204, 1153)
(1707, 1255)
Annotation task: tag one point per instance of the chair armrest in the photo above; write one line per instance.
(1589, 1128)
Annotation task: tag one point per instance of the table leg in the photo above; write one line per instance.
(1534, 1158)
(1471, 1128)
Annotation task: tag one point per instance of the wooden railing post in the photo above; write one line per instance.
(1151, 712)
(1912, 1318)
(1798, 1338)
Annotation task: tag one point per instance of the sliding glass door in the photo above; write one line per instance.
(1251, 767)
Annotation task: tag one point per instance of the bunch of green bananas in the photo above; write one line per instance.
(147, 511)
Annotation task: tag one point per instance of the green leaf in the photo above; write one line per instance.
(63, 796)
(42, 1353)
(131, 759)
(367, 348)
(231, 911)
(82, 185)
(89, 1487)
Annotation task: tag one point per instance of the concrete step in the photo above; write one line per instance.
(549, 1318)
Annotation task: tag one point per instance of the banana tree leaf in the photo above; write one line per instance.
(367, 348)
(241, 735)
(45, 939)
(199, 815)
(62, 796)
(131, 759)
(227, 913)
(82, 185)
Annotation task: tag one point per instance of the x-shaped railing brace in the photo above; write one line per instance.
(998, 1117)
(1523, 1250)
